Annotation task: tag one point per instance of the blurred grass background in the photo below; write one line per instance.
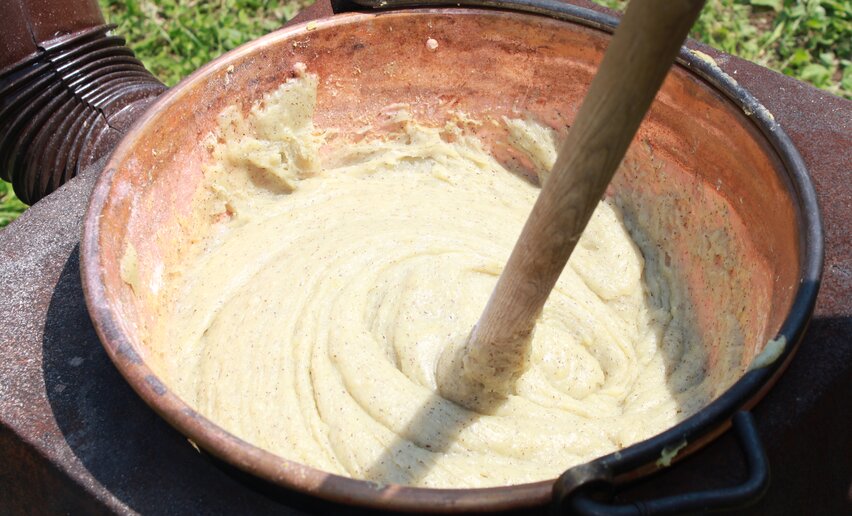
(810, 40)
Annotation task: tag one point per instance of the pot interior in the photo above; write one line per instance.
(699, 171)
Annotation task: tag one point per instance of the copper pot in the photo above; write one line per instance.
(717, 156)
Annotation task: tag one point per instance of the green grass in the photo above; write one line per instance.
(10, 206)
(174, 37)
(810, 40)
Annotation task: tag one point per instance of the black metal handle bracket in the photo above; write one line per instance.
(556, 9)
(573, 492)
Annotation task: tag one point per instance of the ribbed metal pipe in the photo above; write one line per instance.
(62, 108)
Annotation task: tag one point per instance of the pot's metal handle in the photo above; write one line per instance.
(556, 9)
(580, 501)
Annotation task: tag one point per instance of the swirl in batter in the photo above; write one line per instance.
(311, 323)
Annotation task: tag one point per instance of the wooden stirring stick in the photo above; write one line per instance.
(481, 371)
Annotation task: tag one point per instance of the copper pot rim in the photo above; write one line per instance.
(634, 461)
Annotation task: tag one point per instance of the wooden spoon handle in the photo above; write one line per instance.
(633, 68)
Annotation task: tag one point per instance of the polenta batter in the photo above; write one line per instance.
(311, 323)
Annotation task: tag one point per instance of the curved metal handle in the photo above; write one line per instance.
(712, 499)
(556, 9)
